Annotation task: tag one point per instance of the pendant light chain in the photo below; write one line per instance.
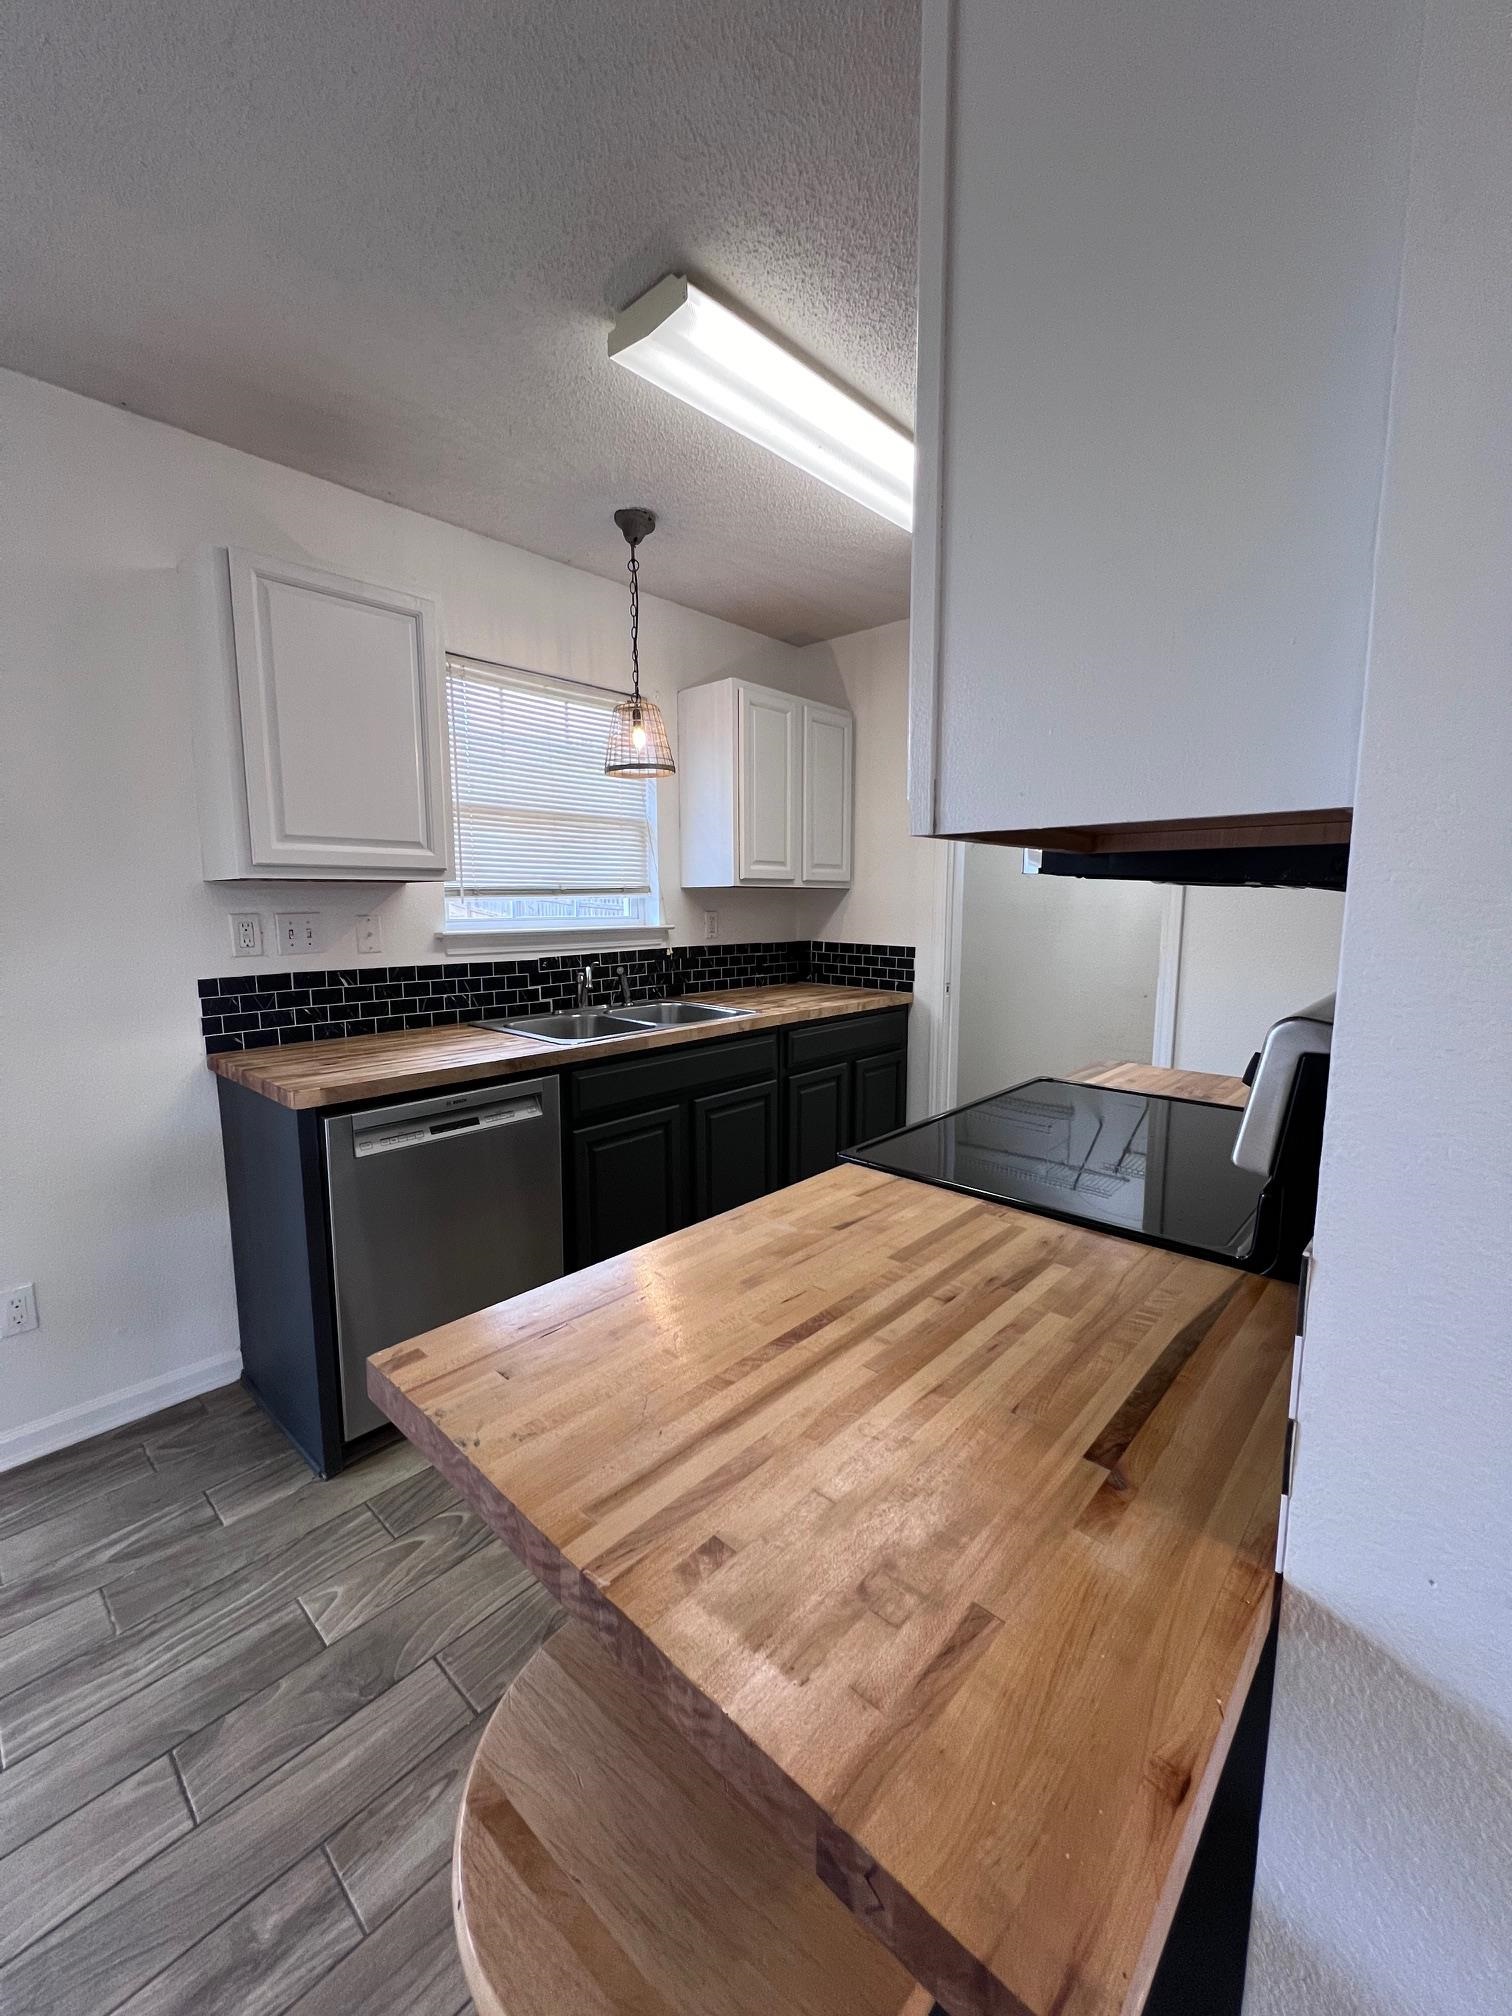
(635, 623)
(639, 745)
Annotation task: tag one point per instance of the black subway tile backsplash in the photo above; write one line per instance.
(250, 1011)
(890, 967)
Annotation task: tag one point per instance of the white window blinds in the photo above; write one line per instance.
(533, 812)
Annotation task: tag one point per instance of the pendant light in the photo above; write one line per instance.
(638, 741)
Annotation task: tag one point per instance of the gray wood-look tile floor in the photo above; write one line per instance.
(236, 1709)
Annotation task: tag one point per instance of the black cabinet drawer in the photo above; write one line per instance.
(594, 1089)
(856, 1036)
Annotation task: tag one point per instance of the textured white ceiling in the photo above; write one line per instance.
(383, 240)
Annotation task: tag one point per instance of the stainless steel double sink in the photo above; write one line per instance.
(600, 1025)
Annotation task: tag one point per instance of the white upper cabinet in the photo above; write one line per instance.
(765, 788)
(1159, 249)
(766, 798)
(321, 728)
(829, 735)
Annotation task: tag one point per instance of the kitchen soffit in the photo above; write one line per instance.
(384, 245)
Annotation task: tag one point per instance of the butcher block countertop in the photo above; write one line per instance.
(1207, 1086)
(945, 1531)
(419, 1060)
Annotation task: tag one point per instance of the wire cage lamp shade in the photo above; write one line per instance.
(639, 745)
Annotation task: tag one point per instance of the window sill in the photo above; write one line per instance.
(463, 938)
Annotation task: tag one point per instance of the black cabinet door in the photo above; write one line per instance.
(877, 1095)
(734, 1147)
(818, 1119)
(627, 1182)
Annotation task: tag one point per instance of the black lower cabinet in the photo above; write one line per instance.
(677, 1135)
(818, 1119)
(655, 1142)
(280, 1251)
(845, 1082)
(879, 1092)
(734, 1148)
(628, 1179)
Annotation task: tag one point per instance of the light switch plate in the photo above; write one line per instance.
(246, 934)
(295, 932)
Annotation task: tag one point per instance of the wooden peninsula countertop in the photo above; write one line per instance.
(945, 1531)
(417, 1060)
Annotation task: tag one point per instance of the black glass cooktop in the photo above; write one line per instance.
(1141, 1164)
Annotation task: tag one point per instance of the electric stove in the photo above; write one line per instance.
(1141, 1165)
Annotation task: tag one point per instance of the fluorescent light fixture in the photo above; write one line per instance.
(679, 338)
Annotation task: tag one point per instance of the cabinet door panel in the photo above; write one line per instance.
(339, 693)
(818, 1119)
(877, 1102)
(767, 813)
(734, 1148)
(627, 1178)
(828, 753)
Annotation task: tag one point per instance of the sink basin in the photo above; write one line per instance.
(676, 1014)
(597, 1025)
(582, 1025)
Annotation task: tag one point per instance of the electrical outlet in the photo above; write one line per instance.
(246, 934)
(711, 924)
(18, 1312)
(294, 932)
(369, 932)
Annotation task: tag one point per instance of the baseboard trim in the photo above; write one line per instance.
(115, 1410)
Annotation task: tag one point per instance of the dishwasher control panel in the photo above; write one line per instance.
(380, 1136)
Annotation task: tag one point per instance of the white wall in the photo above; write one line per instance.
(895, 897)
(1385, 1881)
(111, 1193)
(1248, 957)
(1055, 972)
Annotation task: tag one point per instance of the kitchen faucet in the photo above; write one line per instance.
(584, 983)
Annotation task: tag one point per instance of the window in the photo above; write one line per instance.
(543, 841)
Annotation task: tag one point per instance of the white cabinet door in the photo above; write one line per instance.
(339, 689)
(767, 807)
(1159, 252)
(828, 771)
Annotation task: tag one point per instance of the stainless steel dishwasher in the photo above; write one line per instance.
(438, 1208)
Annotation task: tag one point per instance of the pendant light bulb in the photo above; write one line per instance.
(639, 745)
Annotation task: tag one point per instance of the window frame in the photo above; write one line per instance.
(532, 935)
